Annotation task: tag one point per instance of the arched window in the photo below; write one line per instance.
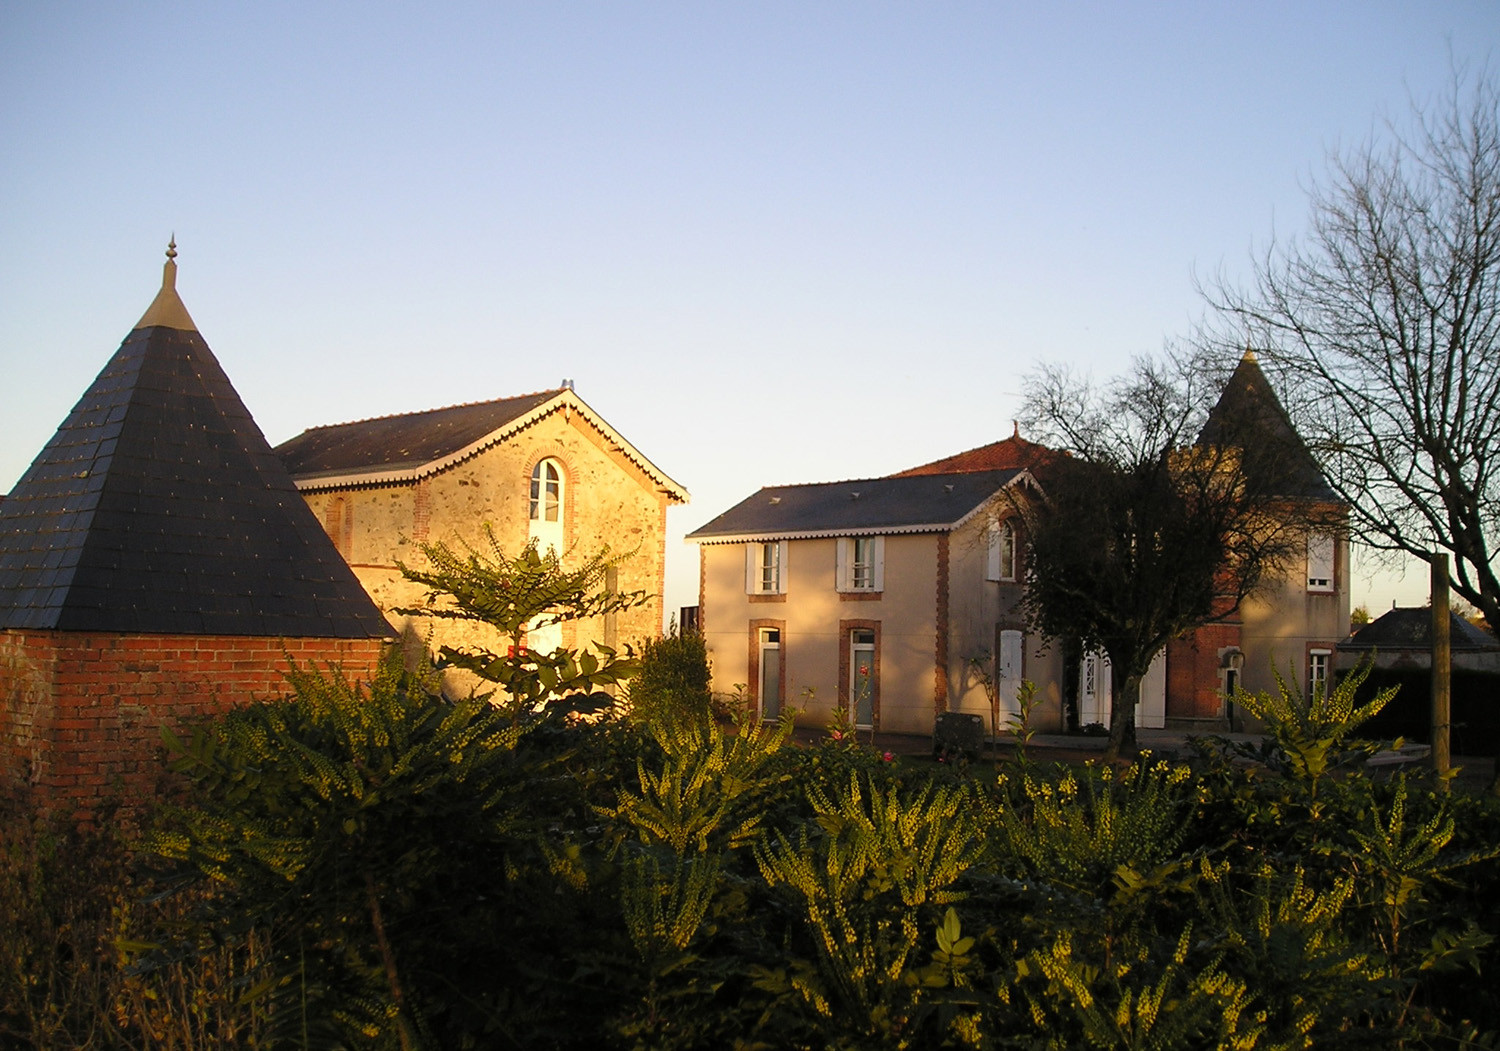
(546, 492)
(547, 495)
(1007, 551)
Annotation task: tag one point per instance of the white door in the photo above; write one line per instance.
(1094, 690)
(1096, 681)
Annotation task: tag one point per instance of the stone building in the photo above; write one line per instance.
(541, 466)
(156, 565)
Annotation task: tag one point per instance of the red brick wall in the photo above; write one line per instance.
(81, 715)
(1193, 677)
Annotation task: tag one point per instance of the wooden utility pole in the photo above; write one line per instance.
(1442, 654)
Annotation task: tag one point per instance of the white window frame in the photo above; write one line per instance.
(1000, 553)
(547, 503)
(1319, 667)
(861, 575)
(765, 567)
(547, 491)
(1321, 558)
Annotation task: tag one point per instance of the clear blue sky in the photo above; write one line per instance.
(771, 242)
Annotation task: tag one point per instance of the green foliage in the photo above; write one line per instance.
(521, 593)
(674, 680)
(862, 875)
(375, 866)
(75, 912)
(343, 821)
(709, 791)
(1313, 733)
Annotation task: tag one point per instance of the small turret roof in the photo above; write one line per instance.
(159, 507)
(1247, 412)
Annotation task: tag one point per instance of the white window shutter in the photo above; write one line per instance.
(752, 569)
(781, 566)
(879, 554)
(844, 577)
(992, 552)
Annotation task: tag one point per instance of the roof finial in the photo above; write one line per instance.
(1250, 354)
(1015, 428)
(167, 309)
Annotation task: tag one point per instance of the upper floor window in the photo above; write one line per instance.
(1320, 554)
(861, 563)
(1001, 554)
(765, 568)
(546, 492)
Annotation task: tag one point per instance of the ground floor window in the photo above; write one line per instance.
(859, 671)
(767, 669)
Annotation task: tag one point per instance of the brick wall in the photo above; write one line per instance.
(81, 714)
(1193, 675)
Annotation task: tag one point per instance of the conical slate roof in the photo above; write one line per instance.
(159, 507)
(1248, 414)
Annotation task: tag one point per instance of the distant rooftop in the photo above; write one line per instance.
(1410, 628)
(1005, 455)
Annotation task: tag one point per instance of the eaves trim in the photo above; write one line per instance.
(819, 534)
(564, 401)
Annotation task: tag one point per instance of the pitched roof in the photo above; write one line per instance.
(910, 504)
(1410, 628)
(1248, 411)
(1006, 454)
(413, 445)
(159, 507)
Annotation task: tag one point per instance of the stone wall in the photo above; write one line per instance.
(81, 714)
(609, 501)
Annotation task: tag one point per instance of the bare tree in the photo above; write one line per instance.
(1165, 515)
(1383, 323)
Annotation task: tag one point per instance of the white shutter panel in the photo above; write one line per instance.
(844, 572)
(781, 567)
(992, 552)
(752, 569)
(879, 556)
(1010, 669)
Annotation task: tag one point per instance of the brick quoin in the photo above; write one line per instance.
(81, 715)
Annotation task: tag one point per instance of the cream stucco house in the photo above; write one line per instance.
(874, 597)
(541, 466)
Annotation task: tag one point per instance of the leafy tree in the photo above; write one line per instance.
(1146, 530)
(1385, 323)
(520, 594)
